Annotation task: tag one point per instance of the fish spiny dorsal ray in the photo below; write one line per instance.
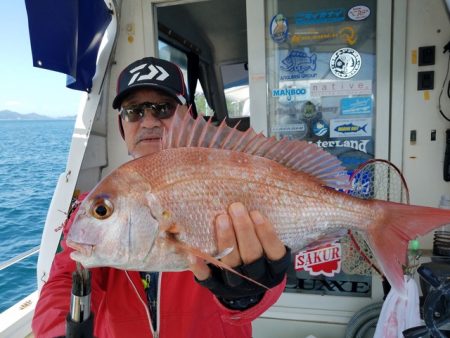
(302, 156)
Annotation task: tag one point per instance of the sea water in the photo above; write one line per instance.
(32, 156)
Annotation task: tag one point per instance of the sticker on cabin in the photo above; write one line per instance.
(345, 63)
(318, 17)
(299, 65)
(279, 28)
(291, 94)
(330, 110)
(358, 13)
(346, 34)
(320, 128)
(340, 284)
(351, 127)
(289, 128)
(364, 145)
(323, 260)
(356, 105)
(309, 110)
(352, 160)
(293, 131)
(340, 88)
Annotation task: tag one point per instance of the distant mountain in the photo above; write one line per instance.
(11, 115)
(73, 117)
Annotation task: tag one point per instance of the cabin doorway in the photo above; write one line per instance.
(208, 39)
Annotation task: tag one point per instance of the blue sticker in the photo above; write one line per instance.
(350, 127)
(290, 93)
(320, 128)
(279, 28)
(299, 61)
(356, 105)
(318, 17)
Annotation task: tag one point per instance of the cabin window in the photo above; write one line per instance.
(321, 71)
(321, 79)
(235, 84)
(173, 54)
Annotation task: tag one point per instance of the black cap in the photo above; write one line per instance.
(151, 72)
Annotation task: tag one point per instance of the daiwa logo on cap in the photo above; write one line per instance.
(151, 72)
(157, 71)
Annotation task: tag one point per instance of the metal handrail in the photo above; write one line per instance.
(19, 257)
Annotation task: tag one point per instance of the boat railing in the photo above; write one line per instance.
(15, 322)
(19, 257)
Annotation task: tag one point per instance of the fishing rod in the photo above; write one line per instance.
(80, 319)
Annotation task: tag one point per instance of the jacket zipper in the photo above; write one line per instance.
(155, 334)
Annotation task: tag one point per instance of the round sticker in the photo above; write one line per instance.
(279, 28)
(345, 63)
(359, 13)
(320, 128)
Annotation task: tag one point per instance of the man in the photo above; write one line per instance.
(170, 304)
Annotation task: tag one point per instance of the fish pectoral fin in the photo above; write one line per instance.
(224, 253)
(210, 259)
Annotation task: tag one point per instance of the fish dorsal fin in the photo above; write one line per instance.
(302, 156)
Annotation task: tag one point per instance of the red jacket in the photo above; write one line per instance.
(118, 301)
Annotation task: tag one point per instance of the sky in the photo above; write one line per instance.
(23, 88)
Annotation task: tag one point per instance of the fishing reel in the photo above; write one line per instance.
(80, 319)
(435, 283)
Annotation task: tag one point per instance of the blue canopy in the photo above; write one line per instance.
(65, 36)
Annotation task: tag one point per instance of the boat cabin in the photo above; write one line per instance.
(362, 79)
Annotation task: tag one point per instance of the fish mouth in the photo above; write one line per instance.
(84, 249)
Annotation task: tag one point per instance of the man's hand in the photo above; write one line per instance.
(257, 253)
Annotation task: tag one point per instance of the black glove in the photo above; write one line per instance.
(236, 292)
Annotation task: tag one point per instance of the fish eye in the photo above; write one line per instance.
(102, 208)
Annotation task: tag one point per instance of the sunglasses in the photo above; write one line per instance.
(135, 113)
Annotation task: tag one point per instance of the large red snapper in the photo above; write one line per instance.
(148, 214)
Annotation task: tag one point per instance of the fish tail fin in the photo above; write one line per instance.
(390, 236)
(210, 259)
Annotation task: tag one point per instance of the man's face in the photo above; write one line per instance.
(143, 137)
